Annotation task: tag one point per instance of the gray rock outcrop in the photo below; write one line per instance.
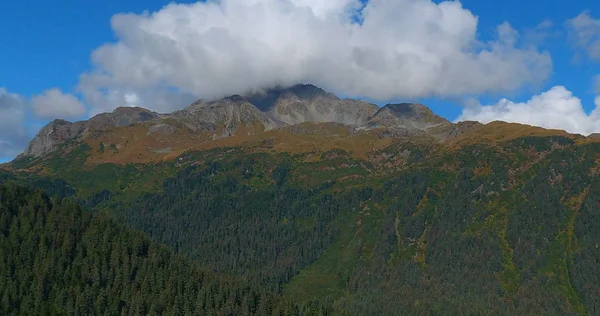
(274, 108)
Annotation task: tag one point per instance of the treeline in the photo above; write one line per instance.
(58, 260)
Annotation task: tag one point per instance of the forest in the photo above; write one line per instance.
(60, 260)
(507, 229)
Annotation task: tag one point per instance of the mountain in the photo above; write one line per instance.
(57, 132)
(407, 116)
(225, 117)
(59, 260)
(307, 103)
(231, 116)
(403, 213)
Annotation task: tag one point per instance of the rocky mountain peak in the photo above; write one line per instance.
(236, 98)
(310, 92)
(248, 114)
(308, 103)
(267, 100)
(120, 117)
(410, 116)
(225, 116)
(413, 111)
(51, 136)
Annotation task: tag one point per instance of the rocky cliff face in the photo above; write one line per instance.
(122, 116)
(307, 103)
(225, 117)
(51, 136)
(253, 114)
(59, 131)
(408, 116)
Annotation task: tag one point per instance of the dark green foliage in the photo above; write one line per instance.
(58, 260)
(50, 185)
(113, 148)
(266, 233)
(542, 143)
(97, 198)
(503, 229)
(66, 160)
(23, 162)
(586, 256)
(6, 176)
(53, 186)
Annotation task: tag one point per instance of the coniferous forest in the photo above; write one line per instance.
(60, 260)
(511, 229)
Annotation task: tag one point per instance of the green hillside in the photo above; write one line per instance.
(503, 227)
(59, 260)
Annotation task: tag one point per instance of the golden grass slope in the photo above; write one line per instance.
(135, 144)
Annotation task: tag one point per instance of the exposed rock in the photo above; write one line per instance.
(51, 136)
(307, 103)
(461, 128)
(594, 136)
(408, 117)
(120, 117)
(161, 150)
(58, 131)
(227, 114)
(256, 113)
(163, 129)
(400, 132)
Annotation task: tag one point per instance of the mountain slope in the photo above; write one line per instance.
(406, 214)
(307, 103)
(224, 117)
(57, 259)
(140, 135)
(58, 132)
(502, 227)
(409, 116)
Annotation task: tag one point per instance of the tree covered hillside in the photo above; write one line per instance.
(499, 223)
(58, 260)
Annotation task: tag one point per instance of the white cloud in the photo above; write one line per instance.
(554, 109)
(402, 49)
(104, 96)
(584, 32)
(13, 136)
(55, 104)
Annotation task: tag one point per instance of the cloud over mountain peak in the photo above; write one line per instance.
(382, 50)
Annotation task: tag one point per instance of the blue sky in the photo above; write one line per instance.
(49, 45)
(526, 14)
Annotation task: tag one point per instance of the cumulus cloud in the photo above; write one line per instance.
(584, 32)
(384, 49)
(13, 136)
(554, 109)
(54, 104)
(105, 95)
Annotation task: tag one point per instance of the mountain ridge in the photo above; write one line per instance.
(147, 135)
(496, 218)
(237, 114)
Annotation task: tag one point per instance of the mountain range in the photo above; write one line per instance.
(242, 116)
(293, 201)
